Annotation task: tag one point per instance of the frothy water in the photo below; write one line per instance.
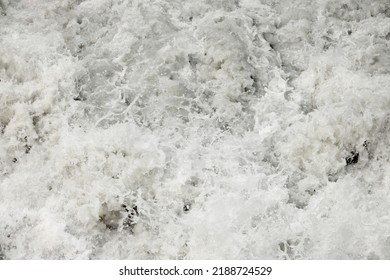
(161, 129)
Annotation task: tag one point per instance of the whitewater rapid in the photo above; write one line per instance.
(159, 129)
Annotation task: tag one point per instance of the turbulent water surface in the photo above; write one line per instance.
(209, 129)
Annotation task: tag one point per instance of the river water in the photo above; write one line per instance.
(161, 129)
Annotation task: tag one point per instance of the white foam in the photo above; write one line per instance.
(194, 130)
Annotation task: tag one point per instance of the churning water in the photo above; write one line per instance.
(210, 129)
